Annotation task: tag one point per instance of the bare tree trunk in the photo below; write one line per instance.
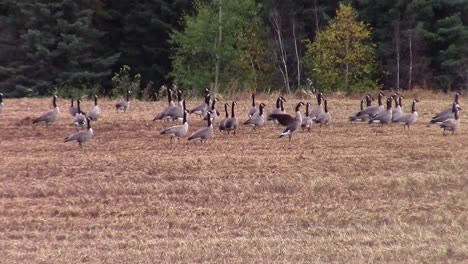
(218, 56)
(410, 74)
(317, 30)
(397, 47)
(283, 66)
(298, 59)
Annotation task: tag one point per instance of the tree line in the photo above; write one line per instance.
(264, 45)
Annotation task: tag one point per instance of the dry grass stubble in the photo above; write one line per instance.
(347, 193)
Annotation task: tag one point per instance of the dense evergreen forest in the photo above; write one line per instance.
(99, 46)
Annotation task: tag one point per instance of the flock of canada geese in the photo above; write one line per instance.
(448, 119)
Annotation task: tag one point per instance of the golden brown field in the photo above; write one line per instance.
(349, 193)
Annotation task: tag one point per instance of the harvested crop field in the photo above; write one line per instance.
(346, 193)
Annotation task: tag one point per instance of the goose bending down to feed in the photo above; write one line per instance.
(398, 109)
(316, 111)
(222, 123)
(82, 136)
(79, 119)
(408, 119)
(253, 109)
(307, 121)
(201, 109)
(231, 123)
(291, 123)
(258, 120)
(371, 111)
(452, 123)
(383, 117)
(359, 116)
(324, 118)
(125, 104)
(95, 113)
(204, 133)
(1, 102)
(51, 116)
(179, 130)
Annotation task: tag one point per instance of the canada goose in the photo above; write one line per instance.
(213, 111)
(258, 120)
(316, 111)
(373, 110)
(452, 123)
(279, 108)
(50, 116)
(170, 104)
(408, 119)
(232, 123)
(95, 112)
(73, 109)
(179, 130)
(291, 123)
(450, 109)
(360, 116)
(307, 121)
(442, 116)
(222, 123)
(125, 104)
(398, 110)
(253, 110)
(81, 136)
(1, 102)
(383, 117)
(79, 119)
(205, 132)
(204, 107)
(175, 111)
(323, 118)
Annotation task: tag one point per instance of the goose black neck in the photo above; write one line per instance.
(213, 104)
(88, 123)
(179, 95)
(298, 107)
(184, 120)
(260, 109)
(319, 98)
(207, 92)
(413, 107)
(454, 107)
(368, 100)
(456, 114)
(72, 102)
(281, 105)
(362, 104)
(389, 104)
(232, 110)
(457, 97)
(396, 100)
(209, 119)
(169, 96)
(95, 100)
(400, 101)
(278, 102)
(325, 104)
(128, 96)
(253, 99)
(307, 109)
(183, 105)
(78, 102)
(1, 97)
(54, 101)
(380, 99)
(207, 99)
(226, 110)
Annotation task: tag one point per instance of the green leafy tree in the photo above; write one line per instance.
(215, 37)
(342, 56)
(123, 81)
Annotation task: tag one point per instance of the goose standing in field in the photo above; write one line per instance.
(222, 123)
(359, 116)
(383, 117)
(315, 112)
(125, 104)
(204, 133)
(170, 104)
(278, 110)
(408, 119)
(73, 109)
(441, 117)
(452, 123)
(213, 111)
(398, 109)
(79, 119)
(203, 108)
(1, 102)
(175, 111)
(253, 109)
(291, 123)
(95, 112)
(232, 123)
(307, 121)
(258, 120)
(179, 130)
(324, 118)
(81, 136)
(371, 111)
(448, 113)
(51, 116)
